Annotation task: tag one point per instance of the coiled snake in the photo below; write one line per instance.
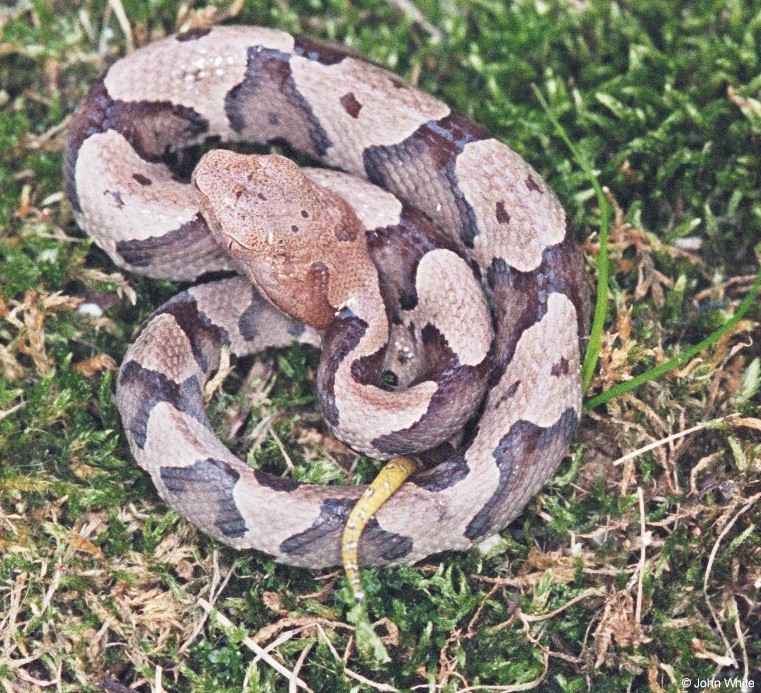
(440, 279)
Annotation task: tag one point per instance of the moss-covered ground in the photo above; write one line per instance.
(637, 566)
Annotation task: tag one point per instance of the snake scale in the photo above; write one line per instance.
(440, 279)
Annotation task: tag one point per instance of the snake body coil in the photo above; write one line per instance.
(469, 290)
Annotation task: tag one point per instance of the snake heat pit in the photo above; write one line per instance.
(433, 266)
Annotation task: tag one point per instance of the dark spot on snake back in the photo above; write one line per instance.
(560, 368)
(502, 216)
(351, 105)
(532, 185)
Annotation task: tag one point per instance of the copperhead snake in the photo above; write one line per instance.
(440, 278)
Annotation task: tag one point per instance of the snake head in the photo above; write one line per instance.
(302, 245)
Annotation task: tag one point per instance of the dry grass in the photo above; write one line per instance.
(639, 564)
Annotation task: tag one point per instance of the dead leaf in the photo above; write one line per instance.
(746, 422)
(618, 623)
(702, 653)
(96, 364)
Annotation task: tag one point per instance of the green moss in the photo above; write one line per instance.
(643, 90)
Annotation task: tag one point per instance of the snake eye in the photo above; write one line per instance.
(389, 378)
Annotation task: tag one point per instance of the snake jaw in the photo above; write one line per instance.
(233, 245)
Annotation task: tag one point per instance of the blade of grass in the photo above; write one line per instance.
(601, 302)
(595, 336)
(685, 356)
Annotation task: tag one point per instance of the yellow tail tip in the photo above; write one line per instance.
(388, 481)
